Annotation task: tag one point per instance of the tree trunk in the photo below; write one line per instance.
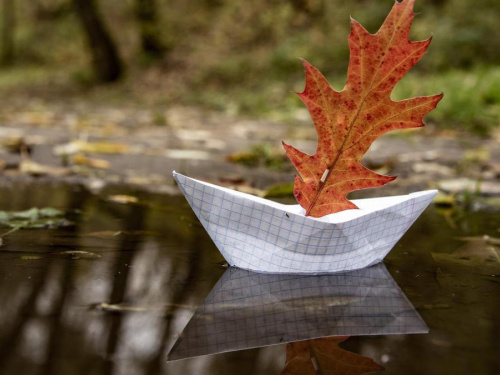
(8, 26)
(146, 14)
(106, 62)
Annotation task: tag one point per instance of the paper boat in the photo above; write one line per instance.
(248, 310)
(265, 236)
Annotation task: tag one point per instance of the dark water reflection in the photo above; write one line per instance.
(119, 307)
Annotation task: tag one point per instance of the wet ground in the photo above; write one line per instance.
(103, 145)
(110, 291)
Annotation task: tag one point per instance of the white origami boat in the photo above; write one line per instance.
(265, 236)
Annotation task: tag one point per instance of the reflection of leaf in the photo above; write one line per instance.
(324, 356)
(347, 122)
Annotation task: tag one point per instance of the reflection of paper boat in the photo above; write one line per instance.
(261, 235)
(247, 310)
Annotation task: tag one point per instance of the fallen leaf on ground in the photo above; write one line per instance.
(91, 148)
(36, 169)
(232, 179)
(347, 122)
(15, 144)
(81, 159)
(187, 154)
(144, 180)
(324, 356)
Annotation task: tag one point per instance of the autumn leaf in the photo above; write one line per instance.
(324, 356)
(347, 122)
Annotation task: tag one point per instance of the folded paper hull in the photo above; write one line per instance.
(264, 236)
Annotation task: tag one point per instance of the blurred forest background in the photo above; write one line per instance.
(237, 56)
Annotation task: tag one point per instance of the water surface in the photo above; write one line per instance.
(111, 293)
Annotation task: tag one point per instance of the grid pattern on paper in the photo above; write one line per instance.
(247, 310)
(260, 237)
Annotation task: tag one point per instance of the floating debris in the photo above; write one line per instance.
(31, 257)
(123, 199)
(78, 254)
(34, 218)
(105, 234)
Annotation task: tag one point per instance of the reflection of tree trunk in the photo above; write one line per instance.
(156, 363)
(107, 64)
(8, 25)
(12, 333)
(146, 14)
(56, 328)
(66, 281)
(133, 221)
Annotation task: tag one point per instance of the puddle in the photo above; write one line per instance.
(111, 293)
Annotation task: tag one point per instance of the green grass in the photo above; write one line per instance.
(471, 99)
(21, 75)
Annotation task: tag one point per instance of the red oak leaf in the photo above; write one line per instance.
(347, 122)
